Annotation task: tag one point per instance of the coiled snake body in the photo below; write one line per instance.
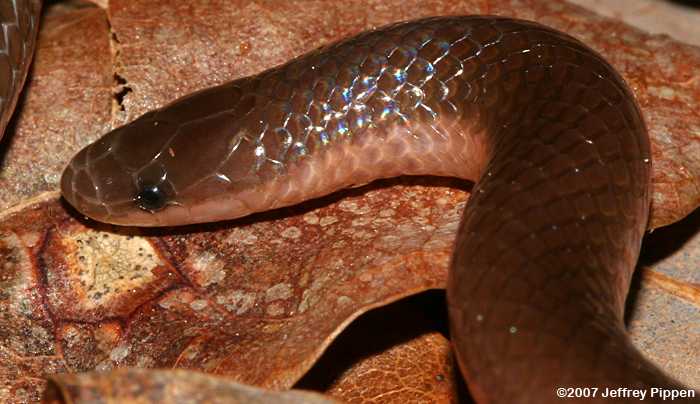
(547, 130)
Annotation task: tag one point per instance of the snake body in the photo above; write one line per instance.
(547, 130)
(19, 21)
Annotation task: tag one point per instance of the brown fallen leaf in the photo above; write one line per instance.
(257, 299)
(219, 300)
(140, 386)
(676, 18)
(683, 290)
(664, 319)
(394, 354)
(412, 372)
(66, 103)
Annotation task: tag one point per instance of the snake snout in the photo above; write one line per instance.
(79, 189)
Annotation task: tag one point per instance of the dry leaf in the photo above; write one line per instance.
(140, 386)
(257, 299)
(394, 354)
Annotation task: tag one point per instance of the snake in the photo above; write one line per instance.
(19, 20)
(542, 125)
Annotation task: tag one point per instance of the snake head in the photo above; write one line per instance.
(177, 165)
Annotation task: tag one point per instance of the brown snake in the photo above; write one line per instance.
(545, 128)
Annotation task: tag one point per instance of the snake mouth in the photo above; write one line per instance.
(80, 191)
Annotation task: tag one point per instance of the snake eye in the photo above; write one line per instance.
(151, 198)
